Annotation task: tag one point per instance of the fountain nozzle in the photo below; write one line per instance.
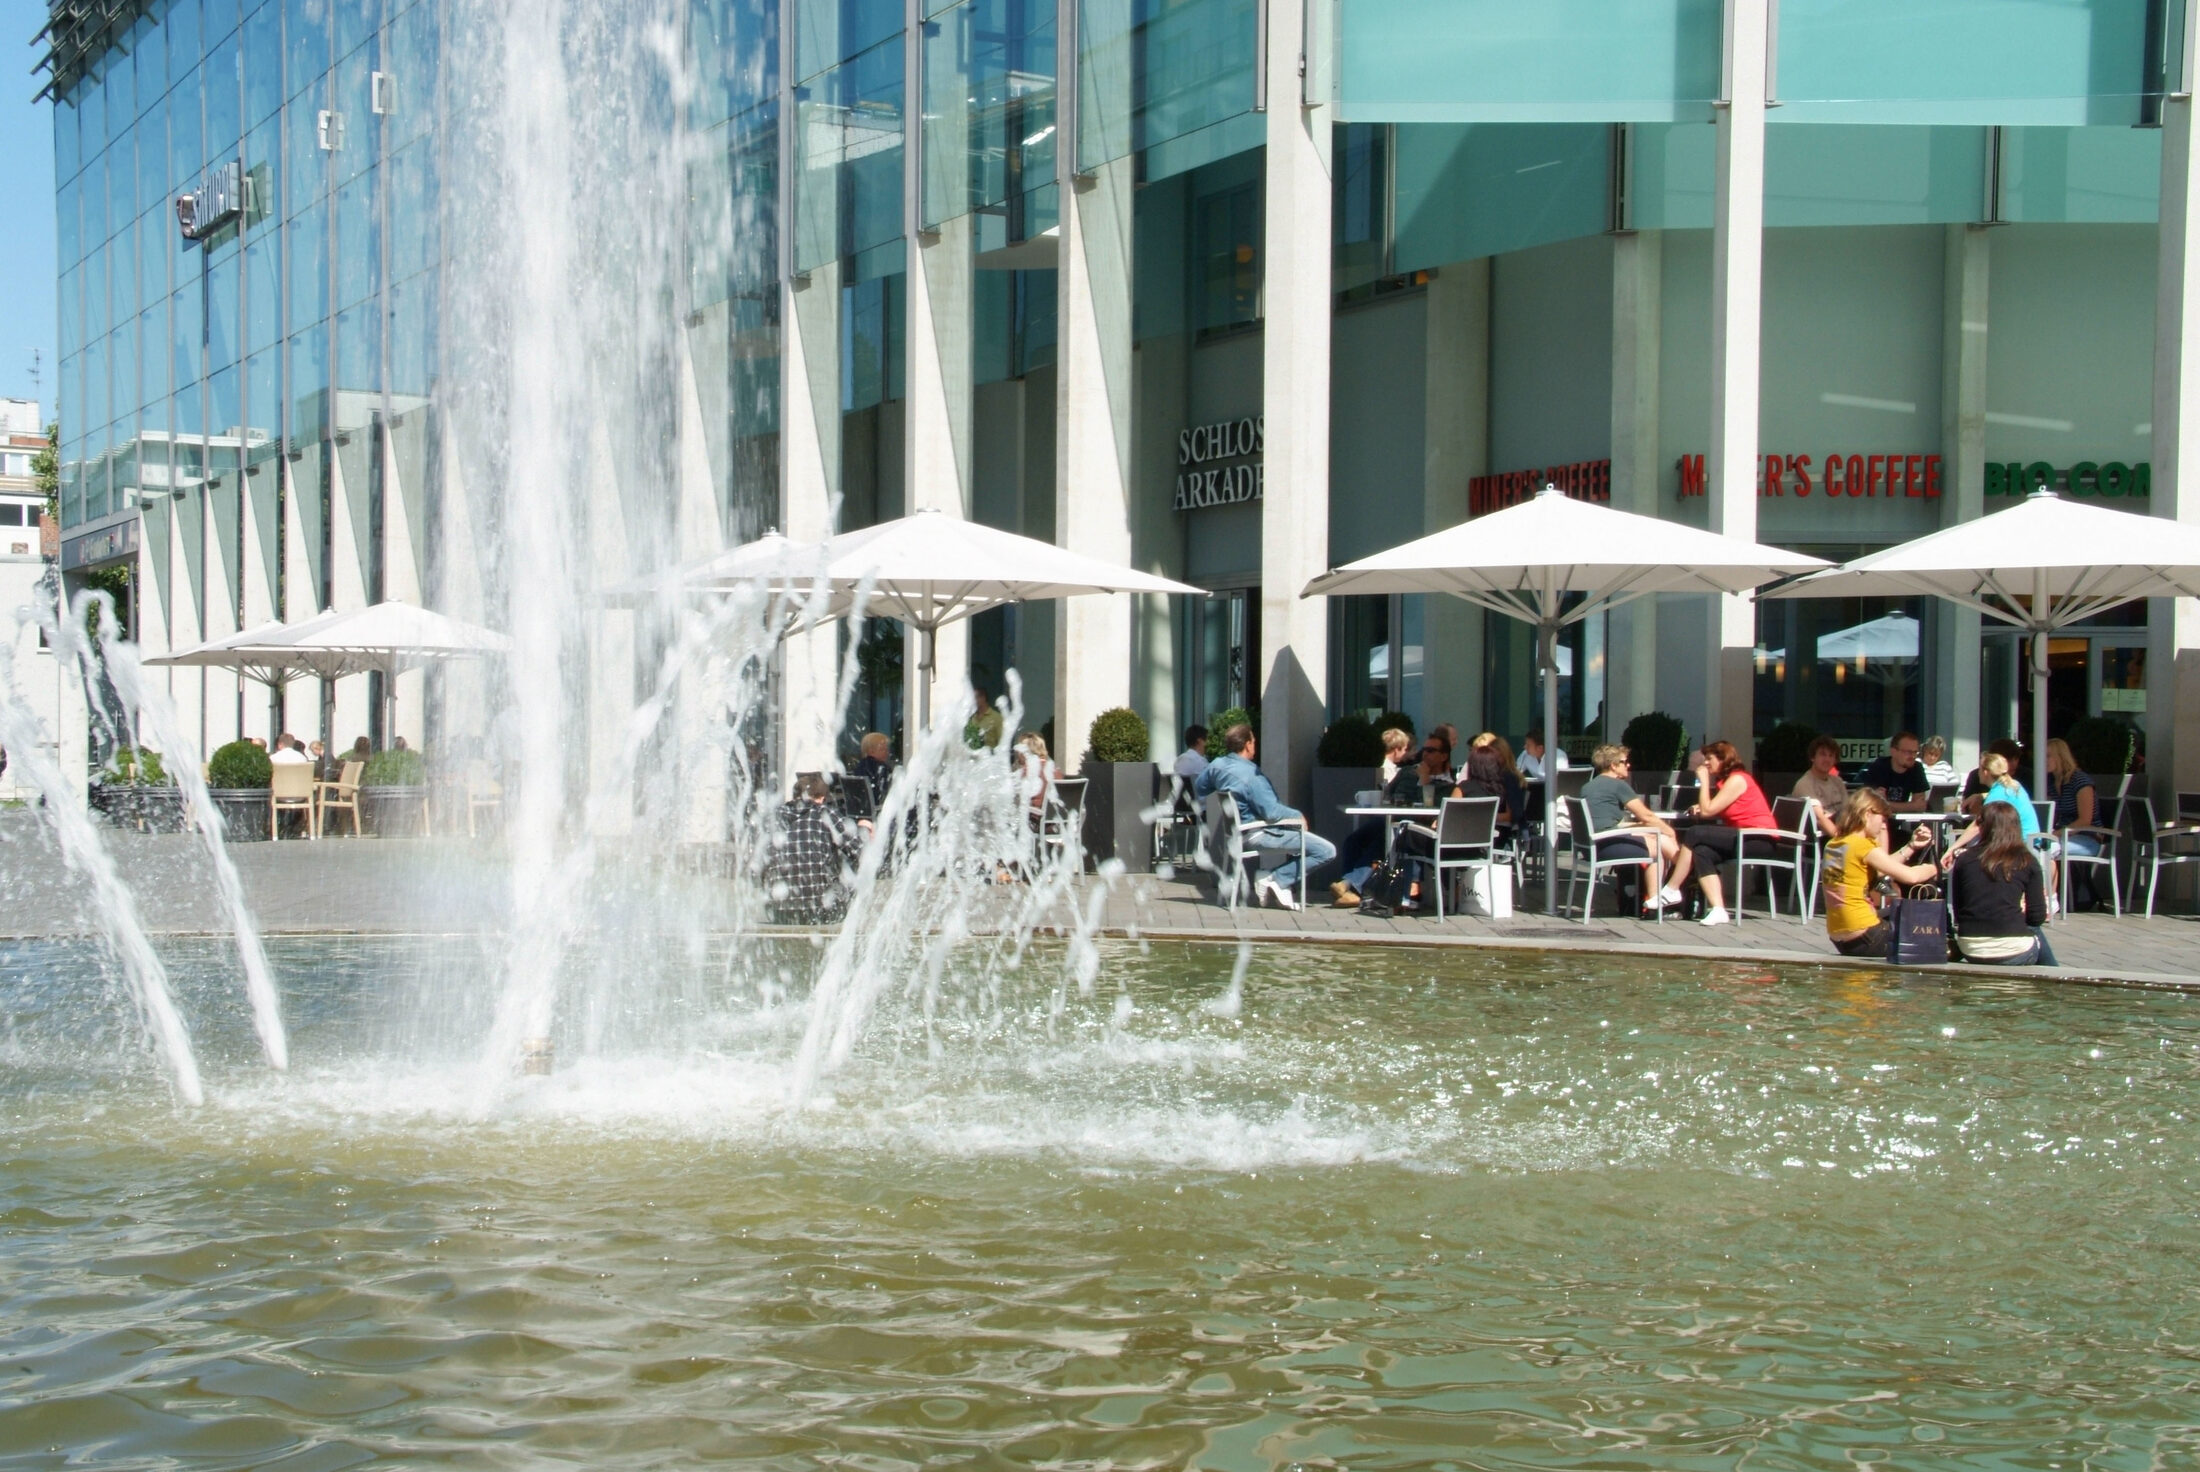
(536, 1057)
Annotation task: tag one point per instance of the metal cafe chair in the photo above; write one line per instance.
(2108, 828)
(1466, 838)
(1230, 842)
(1787, 847)
(1062, 818)
(851, 791)
(2157, 845)
(1590, 861)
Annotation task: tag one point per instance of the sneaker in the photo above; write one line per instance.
(1669, 898)
(1281, 898)
(1716, 915)
(1345, 896)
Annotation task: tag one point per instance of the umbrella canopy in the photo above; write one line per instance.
(929, 569)
(1527, 560)
(251, 652)
(782, 566)
(1887, 640)
(2043, 564)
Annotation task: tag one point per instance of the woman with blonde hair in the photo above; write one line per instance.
(1856, 859)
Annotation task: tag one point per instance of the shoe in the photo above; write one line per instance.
(1281, 898)
(1345, 896)
(1716, 915)
(1669, 898)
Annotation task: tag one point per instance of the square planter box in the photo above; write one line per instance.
(1334, 791)
(1117, 795)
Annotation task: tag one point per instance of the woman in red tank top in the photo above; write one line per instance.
(1736, 802)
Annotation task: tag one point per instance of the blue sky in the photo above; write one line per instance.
(26, 217)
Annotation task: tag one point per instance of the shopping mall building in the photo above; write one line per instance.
(1235, 290)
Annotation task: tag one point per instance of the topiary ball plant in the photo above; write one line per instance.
(1395, 720)
(2105, 746)
(1219, 724)
(394, 768)
(1786, 748)
(1656, 741)
(1352, 740)
(1120, 735)
(239, 764)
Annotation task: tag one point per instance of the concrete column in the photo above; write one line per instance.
(1737, 279)
(809, 504)
(1092, 446)
(936, 440)
(2173, 643)
(1457, 449)
(1638, 297)
(1954, 708)
(1295, 347)
(699, 718)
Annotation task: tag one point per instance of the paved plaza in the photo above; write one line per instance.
(416, 886)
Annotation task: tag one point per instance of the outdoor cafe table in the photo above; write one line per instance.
(1392, 817)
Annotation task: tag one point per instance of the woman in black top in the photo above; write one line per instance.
(2000, 902)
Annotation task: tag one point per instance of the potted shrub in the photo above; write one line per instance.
(134, 791)
(393, 793)
(1348, 761)
(2105, 747)
(1659, 744)
(1219, 724)
(1783, 756)
(1119, 788)
(237, 778)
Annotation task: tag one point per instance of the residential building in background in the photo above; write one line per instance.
(1231, 290)
(27, 573)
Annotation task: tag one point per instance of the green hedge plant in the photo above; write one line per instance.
(394, 769)
(1395, 720)
(1786, 748)
(1219, 724)
(239, 764)
(135, 766)
(2105, 746)
(1352, 740)
(1120, 735)
(1656, 741)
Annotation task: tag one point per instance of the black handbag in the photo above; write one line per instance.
(1388, 884)
(1920, 920)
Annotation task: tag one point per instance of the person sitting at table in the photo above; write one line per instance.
(1521, 798)
(1397, 746)
(1531, 758)
(1423, 785)
(1823, 784)
(1626, 827)
(1192, 760)
(1855, 861)
(876, 764)
(1976, 782)
(1995, 888)
(1364, 844)
(2075, 806)
(1998, 772)
(1735, 802)
(1938, 769)
(1237, 773)
(1898, 776)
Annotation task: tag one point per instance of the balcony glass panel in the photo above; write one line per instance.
(848, 192)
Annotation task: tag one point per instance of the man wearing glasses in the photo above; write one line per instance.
(1899, 776)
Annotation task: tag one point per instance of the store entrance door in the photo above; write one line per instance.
(2089, 673)
(1219, 651)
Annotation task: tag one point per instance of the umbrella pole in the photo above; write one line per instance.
(1549, 640)
(924, 679)
(2039, 683)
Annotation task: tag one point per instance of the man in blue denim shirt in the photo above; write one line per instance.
(1235, 773)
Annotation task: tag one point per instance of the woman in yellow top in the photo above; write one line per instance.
(1855, 859)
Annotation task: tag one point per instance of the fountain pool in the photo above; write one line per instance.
(1401, 1209)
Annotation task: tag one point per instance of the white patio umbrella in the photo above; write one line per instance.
(388, 638)
(1525, 561)
(930, 569)
(2043, 564)
(784, 568)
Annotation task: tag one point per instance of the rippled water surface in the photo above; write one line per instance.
(1399, 1210)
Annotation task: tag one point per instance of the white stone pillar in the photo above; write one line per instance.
(936, 437)
(1954, 708)
(1737, 279)
(1456, 450)
(1638, 297)
(699, 719)
(1092, 446)
(809, 470)
(1294, 536)
(2173, 642)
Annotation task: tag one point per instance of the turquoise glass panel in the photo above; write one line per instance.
(848, 188)
(831, 31)
(2061, 63)
(1504, 61)
(1479, 189)
(1874, 175)
(989, 111)
(2089, 175)
(735, 47)
(1168, 78)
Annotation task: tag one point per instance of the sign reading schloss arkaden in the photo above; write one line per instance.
(1219, 464)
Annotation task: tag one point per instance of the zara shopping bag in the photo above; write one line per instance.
(1920, 920)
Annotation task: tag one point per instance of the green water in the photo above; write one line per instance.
(1403, 1210)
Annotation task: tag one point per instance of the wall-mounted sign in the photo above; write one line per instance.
(1219, 464)
(108, 544)
(1838, 475)
(2086, 478)
(219, 199)
(1584, 480)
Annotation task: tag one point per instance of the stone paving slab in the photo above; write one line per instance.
(452, 886)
